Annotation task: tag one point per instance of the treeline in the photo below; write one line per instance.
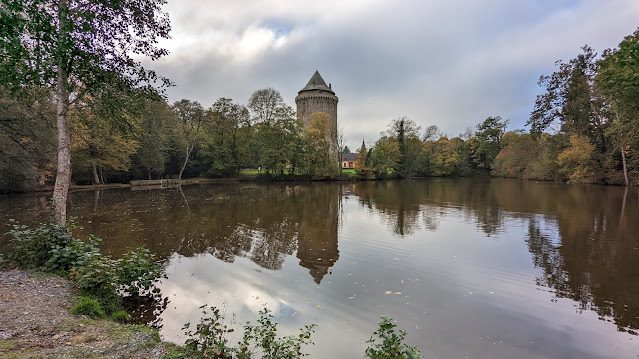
(585, 126)
(146, 138)
(405, 151)
(584, 129)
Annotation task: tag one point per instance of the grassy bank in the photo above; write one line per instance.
(36, 322)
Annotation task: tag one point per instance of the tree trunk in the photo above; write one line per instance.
(625, 166)
(149, 169)
(63, 174)
(189, 148)
(96, 178)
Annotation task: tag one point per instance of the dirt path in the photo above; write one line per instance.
(35, 323)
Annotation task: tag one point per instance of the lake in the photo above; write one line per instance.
(470, 268)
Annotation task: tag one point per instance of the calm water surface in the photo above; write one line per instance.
(472, 269)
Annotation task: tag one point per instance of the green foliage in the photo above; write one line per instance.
(222, 148)
(96, 275)
(210, 338)
(317, 147)
(447, 157)
(51, 248)
(70, 254)
(264, 333)
(155, 126)
(387, 343)
(137, 271)
(120, 316)
(90, 48)
(27, 140)
(487, 142)
(528, 156)
(385, 156)
(89, 306)
(40, 247)
(618, 80)
(406, 133)
(100, 143)
(108, 279)
(577, 162)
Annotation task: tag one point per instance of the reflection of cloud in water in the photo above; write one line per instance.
(200, 280)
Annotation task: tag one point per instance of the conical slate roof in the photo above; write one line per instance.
(317, 83)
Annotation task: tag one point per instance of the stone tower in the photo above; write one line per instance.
(315, 97)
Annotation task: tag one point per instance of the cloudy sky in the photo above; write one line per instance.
(442, 62)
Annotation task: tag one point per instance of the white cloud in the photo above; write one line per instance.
(439, 62)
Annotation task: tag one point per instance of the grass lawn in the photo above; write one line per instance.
(248, 172)
(349, 171)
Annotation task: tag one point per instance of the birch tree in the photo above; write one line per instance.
(76, 47)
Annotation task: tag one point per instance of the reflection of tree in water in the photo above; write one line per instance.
(402, 203)
(431, 217)
(395, 200)
(594, 262)
(589, 255)
(265, 223)
(268, 249)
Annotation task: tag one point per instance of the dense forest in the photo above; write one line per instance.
(584, 129)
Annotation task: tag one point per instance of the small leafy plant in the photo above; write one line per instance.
(31, 248)
(120, 316)
(96, 275)
(88, 306)
(209, 339)
(137, 271)
(387, 343)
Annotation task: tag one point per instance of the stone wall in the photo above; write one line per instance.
(310, 102)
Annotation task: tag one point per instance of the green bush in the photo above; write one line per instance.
(31, 248)
(120, 316)
(137, 271)
(386, 343)
(264, 334)
(209, 336)
(88, 306)
(65, 257)
(48, 247)
(52, 248)
(96, 275)
(209, 339)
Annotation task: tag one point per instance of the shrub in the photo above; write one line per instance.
(389, 344)
(209, 339)
(120, 316)
(48, 247)
(51, 248)
(264, 333)
(137, 271)
(88, 306)
(67, 256)
(95, 275)
(577, 162)
(31, 248)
